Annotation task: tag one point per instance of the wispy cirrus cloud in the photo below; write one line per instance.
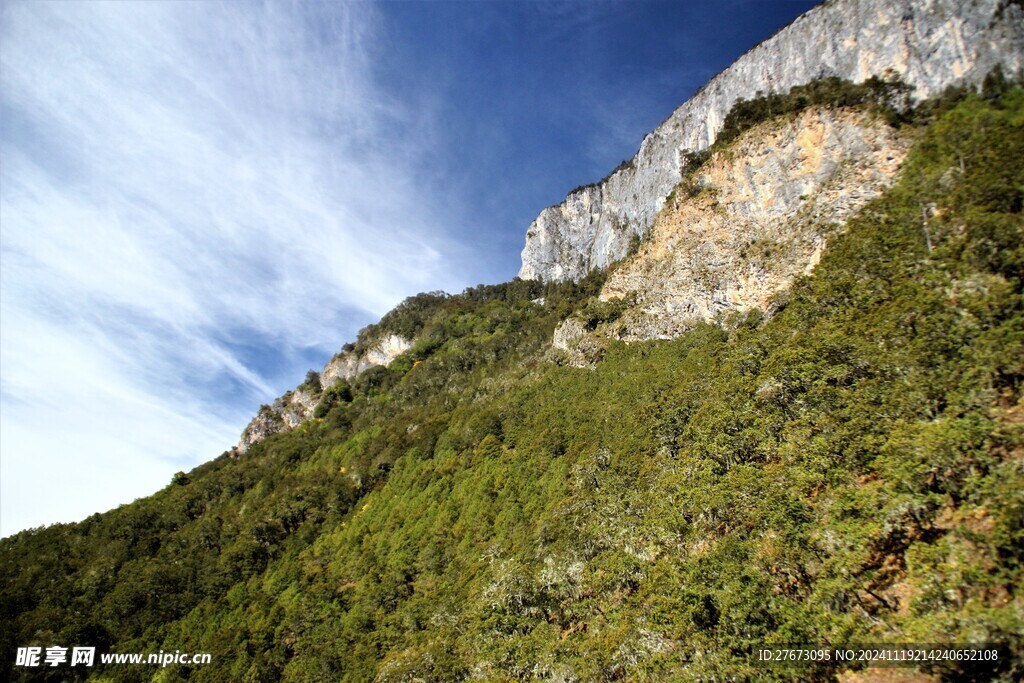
(195, 199)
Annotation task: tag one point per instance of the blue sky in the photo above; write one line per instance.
(199, 201)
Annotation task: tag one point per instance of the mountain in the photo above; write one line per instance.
(788, 413)
(928, 45)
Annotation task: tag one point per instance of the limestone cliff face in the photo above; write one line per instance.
(929, 44)
(297, 406)
(347, 365)
(286, 412)
(741, 228)
(763, 212)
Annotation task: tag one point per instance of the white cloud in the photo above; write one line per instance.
(176, 177)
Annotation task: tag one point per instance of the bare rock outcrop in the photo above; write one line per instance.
(760, 214)
(297, 406)
(741, 228)
(348, 364)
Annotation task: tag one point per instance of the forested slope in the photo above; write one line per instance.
(849, 470)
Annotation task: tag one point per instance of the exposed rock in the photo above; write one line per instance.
(760, 214)
(297, 406)
(348, 364)
(574, 345)
(286, 412)
(267, 421)
(930, 45)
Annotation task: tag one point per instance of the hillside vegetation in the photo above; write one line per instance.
(849, 470)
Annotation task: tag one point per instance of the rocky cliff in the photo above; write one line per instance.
(297, 406)
(348, 364)
(760, 215)
(743, 226)
(929, 44)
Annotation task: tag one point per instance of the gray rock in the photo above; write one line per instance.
(929, 44)
(347, 365)
(764, 210)
(297, 406)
